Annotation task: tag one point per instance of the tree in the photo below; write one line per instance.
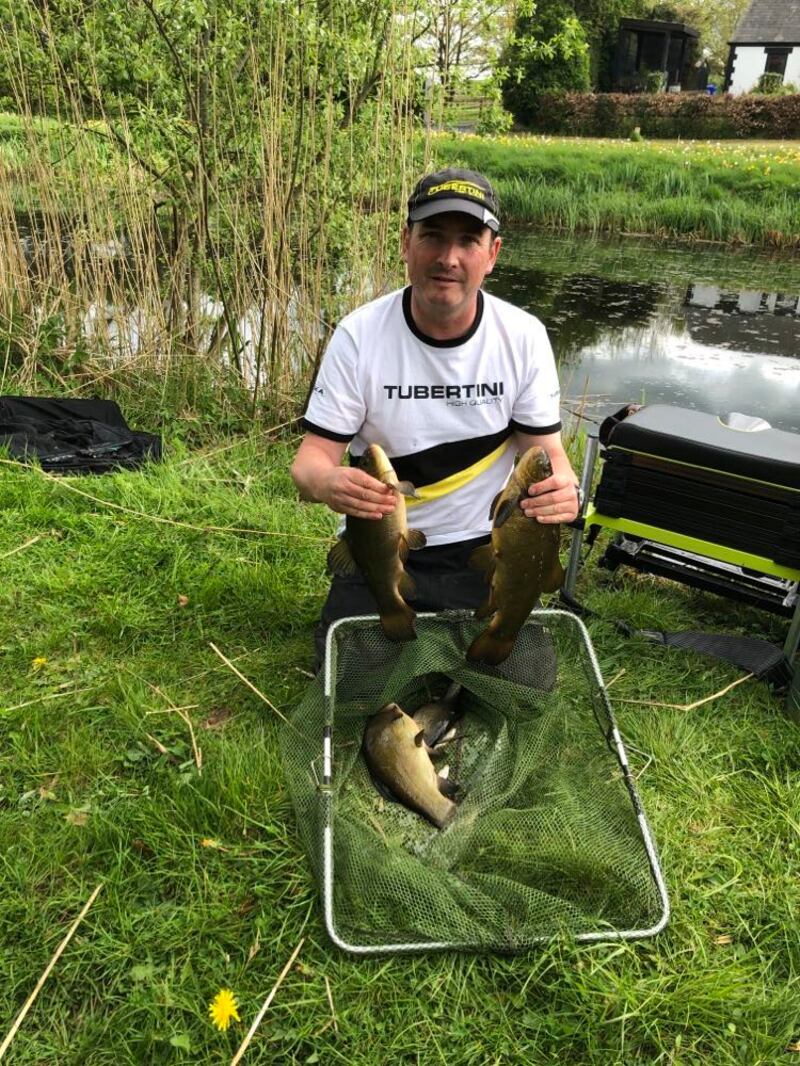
(548, 50)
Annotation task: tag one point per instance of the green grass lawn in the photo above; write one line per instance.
(106, 621)
(727, 191)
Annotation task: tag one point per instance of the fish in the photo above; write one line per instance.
(398, 758)
(436, 719)
(520, 562)
(379, 549)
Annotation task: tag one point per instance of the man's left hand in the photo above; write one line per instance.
(552, 501)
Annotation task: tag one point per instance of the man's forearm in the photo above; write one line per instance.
(310, 471)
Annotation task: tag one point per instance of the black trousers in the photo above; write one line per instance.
(444, 581)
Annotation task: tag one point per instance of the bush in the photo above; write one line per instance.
(690, 115)
(771, 84)
(548, 52)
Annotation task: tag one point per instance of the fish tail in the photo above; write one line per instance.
(399, 625)
(490, 648)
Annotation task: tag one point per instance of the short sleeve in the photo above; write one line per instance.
(336, 409)
(537, 408)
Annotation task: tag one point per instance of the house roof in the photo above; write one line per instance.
(769, 22)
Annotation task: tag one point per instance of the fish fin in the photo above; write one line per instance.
(482, 558)
(405, 488)
(488, 607)
(493, 504)
(416, 539)
(383, 789)
(453, 692)
(340, 559)
(446, 786)
(399, 625)
(505, 510)
(419, 739)
(555, 579)
(489, 648)
(406, 586)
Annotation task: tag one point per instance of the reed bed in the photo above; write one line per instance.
(189, 240)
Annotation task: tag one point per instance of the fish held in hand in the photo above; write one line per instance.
(379, 549)
(398, 758)
(521, 562)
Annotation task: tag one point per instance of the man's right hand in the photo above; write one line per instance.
(348, 490)
(319, 475)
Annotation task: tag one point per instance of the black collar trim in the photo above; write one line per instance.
(451, 343)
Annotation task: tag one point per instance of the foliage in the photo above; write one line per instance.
(460, 40)
(655, 81)
(493, 117)
(548, 51)
(772, 84)
(696, 115)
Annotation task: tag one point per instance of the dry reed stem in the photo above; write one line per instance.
(166, 521)
(22, 547)
(330, 1001)
(42, 699)
(181, 712)
(615, 678)
(251, 1032)
(690, 706)
(250, 685)
(59, 950)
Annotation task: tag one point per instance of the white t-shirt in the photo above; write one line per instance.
(443, 411)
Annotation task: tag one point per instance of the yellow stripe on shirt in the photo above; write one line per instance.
(459, 479)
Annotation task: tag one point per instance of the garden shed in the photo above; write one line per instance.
(647, 48)
(766, 41)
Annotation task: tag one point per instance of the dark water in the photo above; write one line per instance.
(713, 329)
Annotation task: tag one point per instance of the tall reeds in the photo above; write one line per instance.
(190, 199)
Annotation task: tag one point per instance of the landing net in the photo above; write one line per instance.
(549, 838)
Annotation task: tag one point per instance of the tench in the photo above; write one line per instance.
(521, 562)
(397, 756)
(379, 548)
(437, 718)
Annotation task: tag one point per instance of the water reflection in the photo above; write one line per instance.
(716, 331)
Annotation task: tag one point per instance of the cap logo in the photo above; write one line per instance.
(460, 188)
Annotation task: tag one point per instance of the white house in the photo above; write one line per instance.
(766, 40)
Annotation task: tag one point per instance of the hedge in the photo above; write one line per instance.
(687, 114)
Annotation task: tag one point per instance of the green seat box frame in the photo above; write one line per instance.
(660, 450)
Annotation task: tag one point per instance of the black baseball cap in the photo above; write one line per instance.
(455, 190)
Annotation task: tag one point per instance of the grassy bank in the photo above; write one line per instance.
(106, 622)
(738, 193)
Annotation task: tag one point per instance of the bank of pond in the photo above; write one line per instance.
(729, 192)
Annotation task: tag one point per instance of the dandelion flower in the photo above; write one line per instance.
(39, 662)
(222, 1008)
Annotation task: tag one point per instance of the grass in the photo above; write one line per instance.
(105, 623)
(739, 192)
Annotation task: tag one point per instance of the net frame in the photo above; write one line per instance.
(326, 795)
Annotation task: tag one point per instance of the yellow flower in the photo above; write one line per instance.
(222, 1008)
(39, 662)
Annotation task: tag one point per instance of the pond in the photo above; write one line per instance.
(707, 327)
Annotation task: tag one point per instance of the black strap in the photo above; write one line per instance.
(755, 656)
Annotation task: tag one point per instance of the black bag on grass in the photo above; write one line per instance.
(73, 436)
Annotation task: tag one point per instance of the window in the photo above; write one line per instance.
(776, 60)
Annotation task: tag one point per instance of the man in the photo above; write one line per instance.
(452, 383)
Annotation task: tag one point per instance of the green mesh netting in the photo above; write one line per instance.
(546, 841)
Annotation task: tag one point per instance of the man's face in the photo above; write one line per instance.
(448, 256)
